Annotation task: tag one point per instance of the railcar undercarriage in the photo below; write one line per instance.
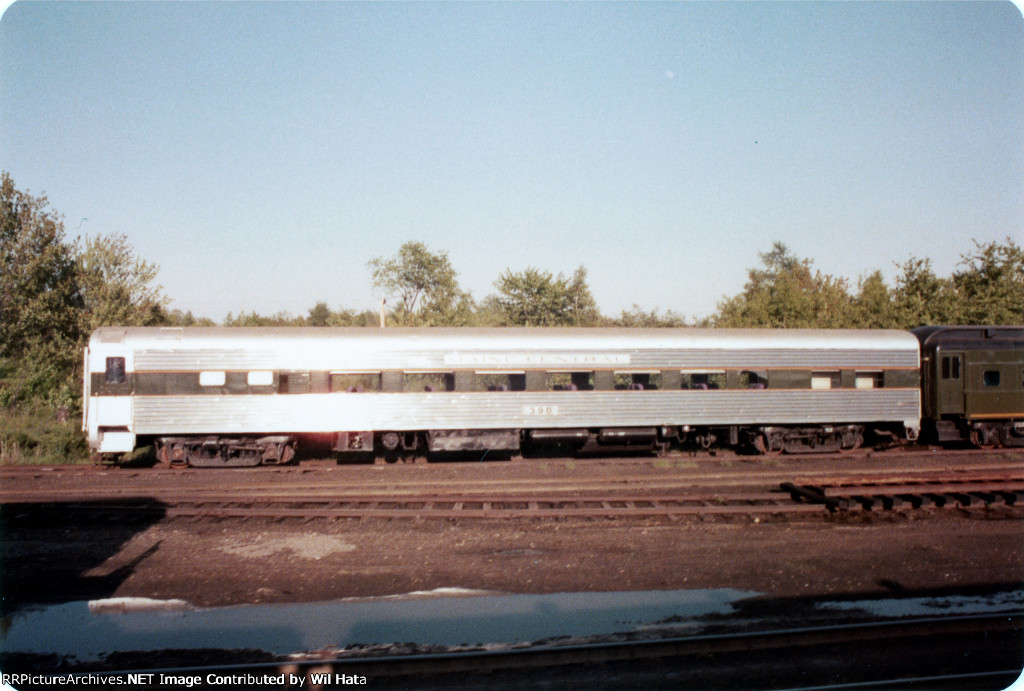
(214, 451)
(406, 446)
(983, 434)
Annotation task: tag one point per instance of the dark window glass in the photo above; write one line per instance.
(571, 381)
(702, 380)
(355, 382)
(991, 377)
(945, 368)
(115, 371)
(750, 379)
(294, 382)
(956, 368)
(428, 381)
(495, 381)
(638, 381)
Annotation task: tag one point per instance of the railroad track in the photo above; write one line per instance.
(915, 492)
(453, 506)
(808, 498)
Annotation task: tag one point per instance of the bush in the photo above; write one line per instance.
(35, 437)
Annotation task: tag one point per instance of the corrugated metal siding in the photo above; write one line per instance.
(374, 411)
(300, 358)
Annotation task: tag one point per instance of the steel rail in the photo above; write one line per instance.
(434, 508)
(525, 485)
(337, 503)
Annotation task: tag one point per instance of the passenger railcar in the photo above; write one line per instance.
(973, 384)
(243, 396)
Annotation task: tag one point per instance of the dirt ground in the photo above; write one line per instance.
(236, 562)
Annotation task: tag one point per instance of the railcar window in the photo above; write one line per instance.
(571, 381)
(428, 381)
(638, 381)
(355, 382)
(825, 380)
(499, 381)
(868, 380)
(293, 382)
(750, 379)
(703, 380)
(990, 377)
(951, 367)
(212, 378)
(260, 378)
(115, 373)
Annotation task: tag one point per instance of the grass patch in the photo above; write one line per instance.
(39, 438)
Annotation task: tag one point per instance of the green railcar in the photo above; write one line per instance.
(973, 384)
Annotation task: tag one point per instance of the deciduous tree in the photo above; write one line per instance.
(990, 287)
(423, 287)
(536, 298)
(40, 302)
(921, 298)
(787, 293)
(873, 305)
(40, 298)
(118, 286)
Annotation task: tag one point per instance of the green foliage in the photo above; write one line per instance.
(990, 289)
(921, 297)
(787, 293)
(179, 318)
(52, 295)
(873, 306)
(536, 298)
(253, 319)
(319, 315)
(40, 299)
(424, 286)
(117, 286)
(35, 436)
(637, 317)
(349, 317)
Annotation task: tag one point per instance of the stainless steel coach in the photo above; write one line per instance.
(239, 396)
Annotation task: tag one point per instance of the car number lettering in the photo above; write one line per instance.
(540, 410)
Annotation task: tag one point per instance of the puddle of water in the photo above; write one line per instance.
(89, 629)
(445, 617)
(933, 606)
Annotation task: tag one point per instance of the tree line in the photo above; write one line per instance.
(54, 291)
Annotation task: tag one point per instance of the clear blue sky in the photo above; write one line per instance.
(261, 154)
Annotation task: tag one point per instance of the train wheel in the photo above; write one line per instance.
(985, 436)
(769, 445)
(850, 449)
(851, 441)
(163, 456)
